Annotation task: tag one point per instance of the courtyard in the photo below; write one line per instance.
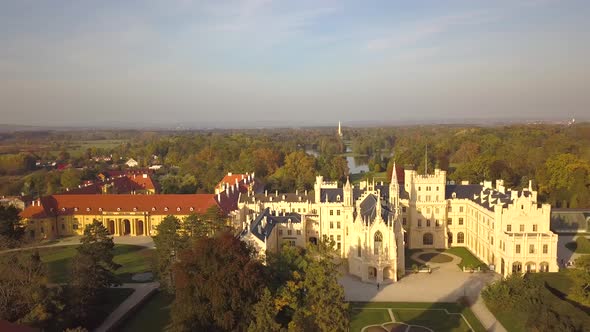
(412, 317)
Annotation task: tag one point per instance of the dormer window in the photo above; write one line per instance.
(134, 209)
(165, 209)
(178, 209)
(100, 209)
(191, 209)
(63, 209)
(270, 198)
(284, 197)
(87, 209)
(76, 209)
(153, 209)
(118, 209)
(454, 195)
(338, 198)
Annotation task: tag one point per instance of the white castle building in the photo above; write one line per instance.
(372, 223)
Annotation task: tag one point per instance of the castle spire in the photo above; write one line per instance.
(394, 174)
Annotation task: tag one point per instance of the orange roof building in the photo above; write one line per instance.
(61, 215)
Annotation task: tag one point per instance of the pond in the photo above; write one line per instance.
(355, 164)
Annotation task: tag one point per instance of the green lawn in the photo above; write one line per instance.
(377, 176)
(424, 314)
(555, 296)
(134, 259)
(153, 315)
(467, 258)
(408, 258)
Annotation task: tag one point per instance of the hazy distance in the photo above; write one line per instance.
(260, 63)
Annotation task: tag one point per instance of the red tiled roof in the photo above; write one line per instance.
(122, 185)
(96, 204)
(230, 179)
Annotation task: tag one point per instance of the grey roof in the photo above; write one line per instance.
(474, 192)
(271, 220)
(575, 220)
(331, 194)
(281, 197)
(368, 208)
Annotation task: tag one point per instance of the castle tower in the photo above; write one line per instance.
(347, 193)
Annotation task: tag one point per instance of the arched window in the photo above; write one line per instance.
(427, 239)
(460, 237)
(378, 247)
(359, 248)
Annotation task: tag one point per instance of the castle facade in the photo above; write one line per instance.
(371, 224)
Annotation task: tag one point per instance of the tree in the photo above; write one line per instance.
(325, 308)
(11, 229)
(169, 241)
(300, 169)
(265, 313)
(217, 281)
(70, 178)
(206, 224)
(92, 273)
(581, 277)
(24, 293)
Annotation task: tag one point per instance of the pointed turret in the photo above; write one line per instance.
(347, 193)
(394, 188)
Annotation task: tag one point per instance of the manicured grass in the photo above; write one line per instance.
(555, 296)
(134, 259)
(435, 258)
(408, 258)
(467, 258)
(153, 315)
(358, 177)
(424, 314)
(113, 298)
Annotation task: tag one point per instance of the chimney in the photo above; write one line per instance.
(219, 197)
(266, 193)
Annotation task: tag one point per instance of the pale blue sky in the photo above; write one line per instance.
(266, 62)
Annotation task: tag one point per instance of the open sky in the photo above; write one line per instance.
(264, 62)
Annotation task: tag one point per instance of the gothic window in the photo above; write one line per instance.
(460, 237)
(358, 248)
(427, 239)
(378, 247)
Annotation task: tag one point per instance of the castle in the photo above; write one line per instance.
(371, 224)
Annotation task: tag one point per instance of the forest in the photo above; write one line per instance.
(555, 157)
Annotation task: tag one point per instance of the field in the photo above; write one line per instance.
(133, 259)
(153, 315)
(467, 258)
(421, 317)
(556, 296)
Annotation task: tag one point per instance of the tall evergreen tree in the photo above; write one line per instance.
(92, 273)
(265, 314)
(11, 229)
(169, 241)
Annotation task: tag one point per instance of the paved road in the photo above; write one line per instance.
(141, 291)
(446, 283)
